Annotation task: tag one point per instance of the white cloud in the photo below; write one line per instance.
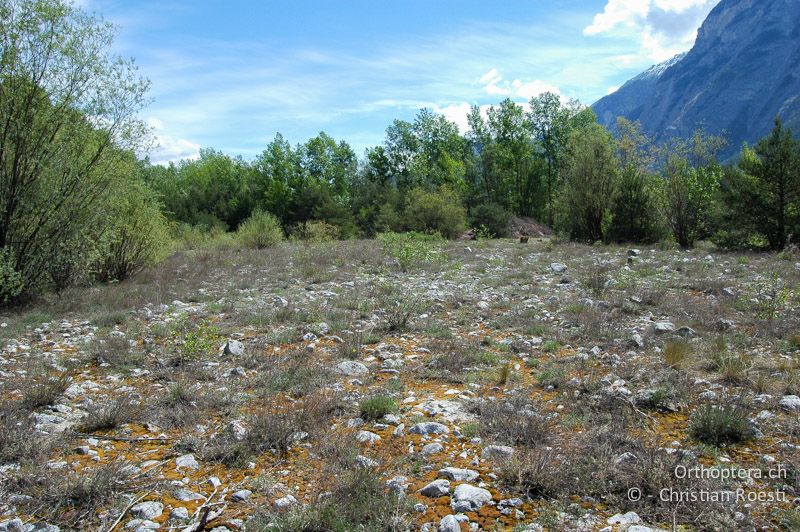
(494, 85)
(618, 12)
(458, 112)
(612, 89)
(664, 27)
(678, 6)
(490, 77)
(169, 149)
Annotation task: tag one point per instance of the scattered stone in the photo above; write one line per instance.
(241, 495)
(187, 461)
(790, 402)
(429, 427)
(449, 523)
(637, 340)
(431, 449)
(365, 436)
(497, 452)
(663, 327)
(628, 519)
(147, 510)
(398, 485)
(437, 488)
(558, 267)
(142, 525)
(284, 502)
(351, 368)
(234, 348)
(185, 495)
(12, 525)
(468, 498)
(179, 514)
(458, 475)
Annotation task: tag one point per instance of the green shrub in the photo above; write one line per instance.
(135, 234)
(70, 130)
(411, 249)
(203, 238)
(492, 218)
(11, 283)
(318, 231)
(376, 407)
(720, 425)
(201, 342)
(439, 211)
(261, 230)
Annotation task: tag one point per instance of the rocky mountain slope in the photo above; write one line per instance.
(743, 70)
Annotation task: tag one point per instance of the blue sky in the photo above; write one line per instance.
(231, 74)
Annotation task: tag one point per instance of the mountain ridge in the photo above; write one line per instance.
(743, 70)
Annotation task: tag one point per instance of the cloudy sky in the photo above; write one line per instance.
(231, 74)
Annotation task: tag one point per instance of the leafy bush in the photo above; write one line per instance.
(687, 199)
(440, 211)
(200, 342)
(720, 425)
(42, 390)
(491, 217)
(261, 230)
(411, 249)
(318, 231)
(11, 283)
(111, 415)
(135, 234)
(532, 473)
(376, 407)
(17, 435)
(70, 132)
(203, 238)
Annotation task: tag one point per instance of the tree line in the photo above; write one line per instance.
(552, 161)
(78, 206)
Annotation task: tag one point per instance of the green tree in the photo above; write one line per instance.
(691, 178)
(634, 210)
(277, 175)
(508, 173)
(551, 122)
(768, 195)
(427, 152)
(375, 202)
(439, 211)
(68, 108)
(210, 191)
(590, 171)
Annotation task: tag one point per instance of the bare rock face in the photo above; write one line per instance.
(740, 74)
